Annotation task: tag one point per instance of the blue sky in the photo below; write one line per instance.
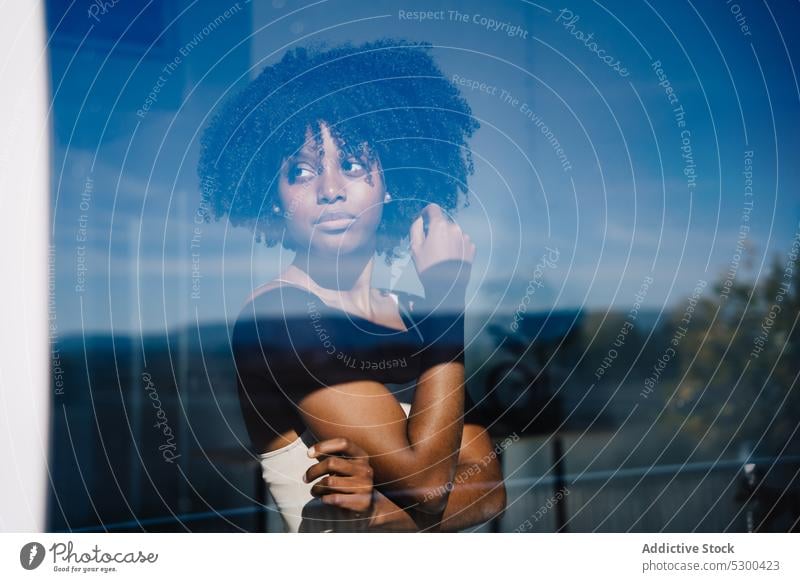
(622, 211)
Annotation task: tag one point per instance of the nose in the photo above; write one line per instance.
(331, 188)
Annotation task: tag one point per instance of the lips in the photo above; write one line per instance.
(335, 216)
(335, 222)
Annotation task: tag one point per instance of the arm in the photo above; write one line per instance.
(348, 485)
(478, 494)
(413, 460)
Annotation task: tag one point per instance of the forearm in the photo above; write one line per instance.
(434, 429)
(435, 422)
(406, 469)
(479, 493)
(478, 496)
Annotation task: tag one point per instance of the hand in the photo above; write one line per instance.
(444, 240)
(348, 483)
(443, 259)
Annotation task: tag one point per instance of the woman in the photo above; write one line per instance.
(354, 396)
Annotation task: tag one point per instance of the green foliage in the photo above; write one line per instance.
(739, 364)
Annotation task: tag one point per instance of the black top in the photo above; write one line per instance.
(288, 342)
(289, 337)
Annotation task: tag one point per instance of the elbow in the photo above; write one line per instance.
(496, 504)
(428, 495)
(433, 493)
(433, 498)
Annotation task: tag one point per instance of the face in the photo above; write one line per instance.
(332, 199)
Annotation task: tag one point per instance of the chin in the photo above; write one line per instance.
(338, 245)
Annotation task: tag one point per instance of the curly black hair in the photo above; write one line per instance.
(387, 98)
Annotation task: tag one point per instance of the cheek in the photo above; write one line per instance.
(296, 211)
(297, 204)
(290, 198)
(371, 213)
(370, 198)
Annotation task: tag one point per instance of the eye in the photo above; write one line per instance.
(300, 172)
(354, 167)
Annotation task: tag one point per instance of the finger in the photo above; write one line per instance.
(417, 232)
(332, 466)
(340, 446)
(338, 484)
(359, 502)
(434, 213)
(353, 451)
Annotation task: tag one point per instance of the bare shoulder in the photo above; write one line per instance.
(270, 286)
(261, 289)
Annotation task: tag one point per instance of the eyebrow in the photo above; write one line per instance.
(302, 156)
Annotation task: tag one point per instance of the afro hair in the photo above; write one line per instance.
(387, 98)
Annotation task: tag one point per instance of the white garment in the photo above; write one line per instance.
(283, 470)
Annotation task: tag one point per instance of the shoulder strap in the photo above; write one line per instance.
(406, 302)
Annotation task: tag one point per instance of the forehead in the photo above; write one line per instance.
(324, 142)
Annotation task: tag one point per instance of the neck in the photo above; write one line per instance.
(344, 278)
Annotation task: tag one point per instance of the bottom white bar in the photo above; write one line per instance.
(401, 557)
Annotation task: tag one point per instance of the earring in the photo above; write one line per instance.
(387, 198)
(276, 209)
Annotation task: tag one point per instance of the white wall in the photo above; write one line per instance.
(24, 219)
